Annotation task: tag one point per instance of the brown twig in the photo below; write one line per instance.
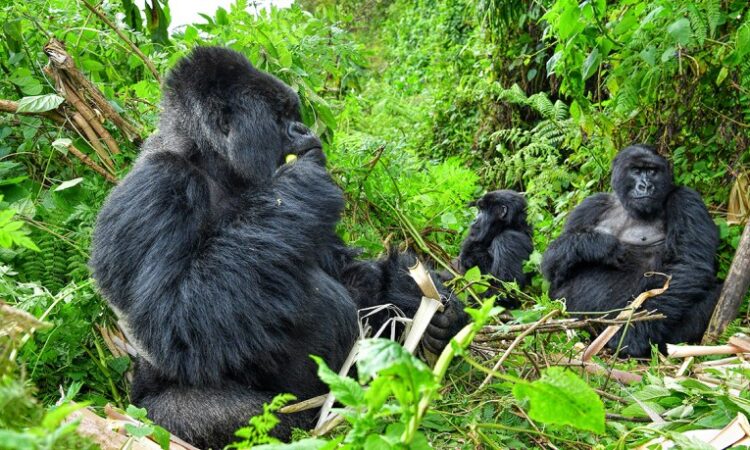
(505, 332)
(517, 341)
(130, 43)
(595, 369)
(611, 416)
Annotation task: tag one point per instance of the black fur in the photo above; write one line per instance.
(597, 264)
(499, 240)
(222, 262)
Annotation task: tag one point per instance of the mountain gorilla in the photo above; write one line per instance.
(222, 261)
(499, 240)
(610, 241)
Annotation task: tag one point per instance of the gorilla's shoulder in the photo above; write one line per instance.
(596, 202)
(685, 194)
(598, 199)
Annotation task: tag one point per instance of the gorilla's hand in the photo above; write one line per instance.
(315, 155)
(444, 326)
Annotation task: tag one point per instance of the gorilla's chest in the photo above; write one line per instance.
(630, 230)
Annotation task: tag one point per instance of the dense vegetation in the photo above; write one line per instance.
(422, 106)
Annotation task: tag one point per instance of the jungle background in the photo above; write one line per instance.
(422, 106)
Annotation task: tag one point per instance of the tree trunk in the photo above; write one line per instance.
(735, 288)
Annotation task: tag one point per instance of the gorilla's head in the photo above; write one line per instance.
(223, 104)
(642, 180)
(499, 210)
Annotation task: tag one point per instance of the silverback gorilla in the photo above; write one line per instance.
(610, 241)
(499, 240)
(222, 261)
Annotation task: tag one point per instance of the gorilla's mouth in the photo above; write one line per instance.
(298, 152)
(642, 197)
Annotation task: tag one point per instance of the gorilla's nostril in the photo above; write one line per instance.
(297, 129)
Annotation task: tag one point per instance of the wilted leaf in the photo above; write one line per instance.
(68, 184)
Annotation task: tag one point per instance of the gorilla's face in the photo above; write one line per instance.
(223, 104)
(498, 210)
(642, 180)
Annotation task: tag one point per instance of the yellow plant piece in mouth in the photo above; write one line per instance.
(290, 158)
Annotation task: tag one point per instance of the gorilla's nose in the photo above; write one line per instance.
(298, 130)
(643, 188)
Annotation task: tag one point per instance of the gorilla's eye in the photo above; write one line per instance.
(651, 172)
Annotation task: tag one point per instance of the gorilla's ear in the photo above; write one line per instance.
(503, 211)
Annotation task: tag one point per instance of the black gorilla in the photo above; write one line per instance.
(499, 240)
(222, 261)
(610, 241)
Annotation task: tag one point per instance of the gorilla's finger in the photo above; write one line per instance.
(439, 332)
(443, 320)
(434, 345)
(316, 155)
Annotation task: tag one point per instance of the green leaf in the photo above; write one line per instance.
(552, 62)
(55, 416)
(346, 390)
(62, 145)
(161, 436)
(39, 103)
(591, 64)
(137, 431)
(561, 397)
(569, 24)
(304, 444)
(379, 354)
(680, 31)
(135, 412)
(473, 274)
(722, 75)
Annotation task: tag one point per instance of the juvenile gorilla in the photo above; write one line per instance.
(222, 261)
(610, 241)
(499, 240)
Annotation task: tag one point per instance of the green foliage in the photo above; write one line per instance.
(561, 397)
(155, 432)
(259, 426)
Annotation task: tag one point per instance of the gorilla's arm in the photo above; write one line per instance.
(580, 243)
(207, 302)
(509, 250)
(692, 237)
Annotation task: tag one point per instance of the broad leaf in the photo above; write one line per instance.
(39, 103)
(561, 397)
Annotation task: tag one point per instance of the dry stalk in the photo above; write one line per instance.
(55, 50)
(515, 343)
(595, 369)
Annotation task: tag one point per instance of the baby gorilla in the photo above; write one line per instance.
(499, 240)
(222, 261)
(648, 225)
